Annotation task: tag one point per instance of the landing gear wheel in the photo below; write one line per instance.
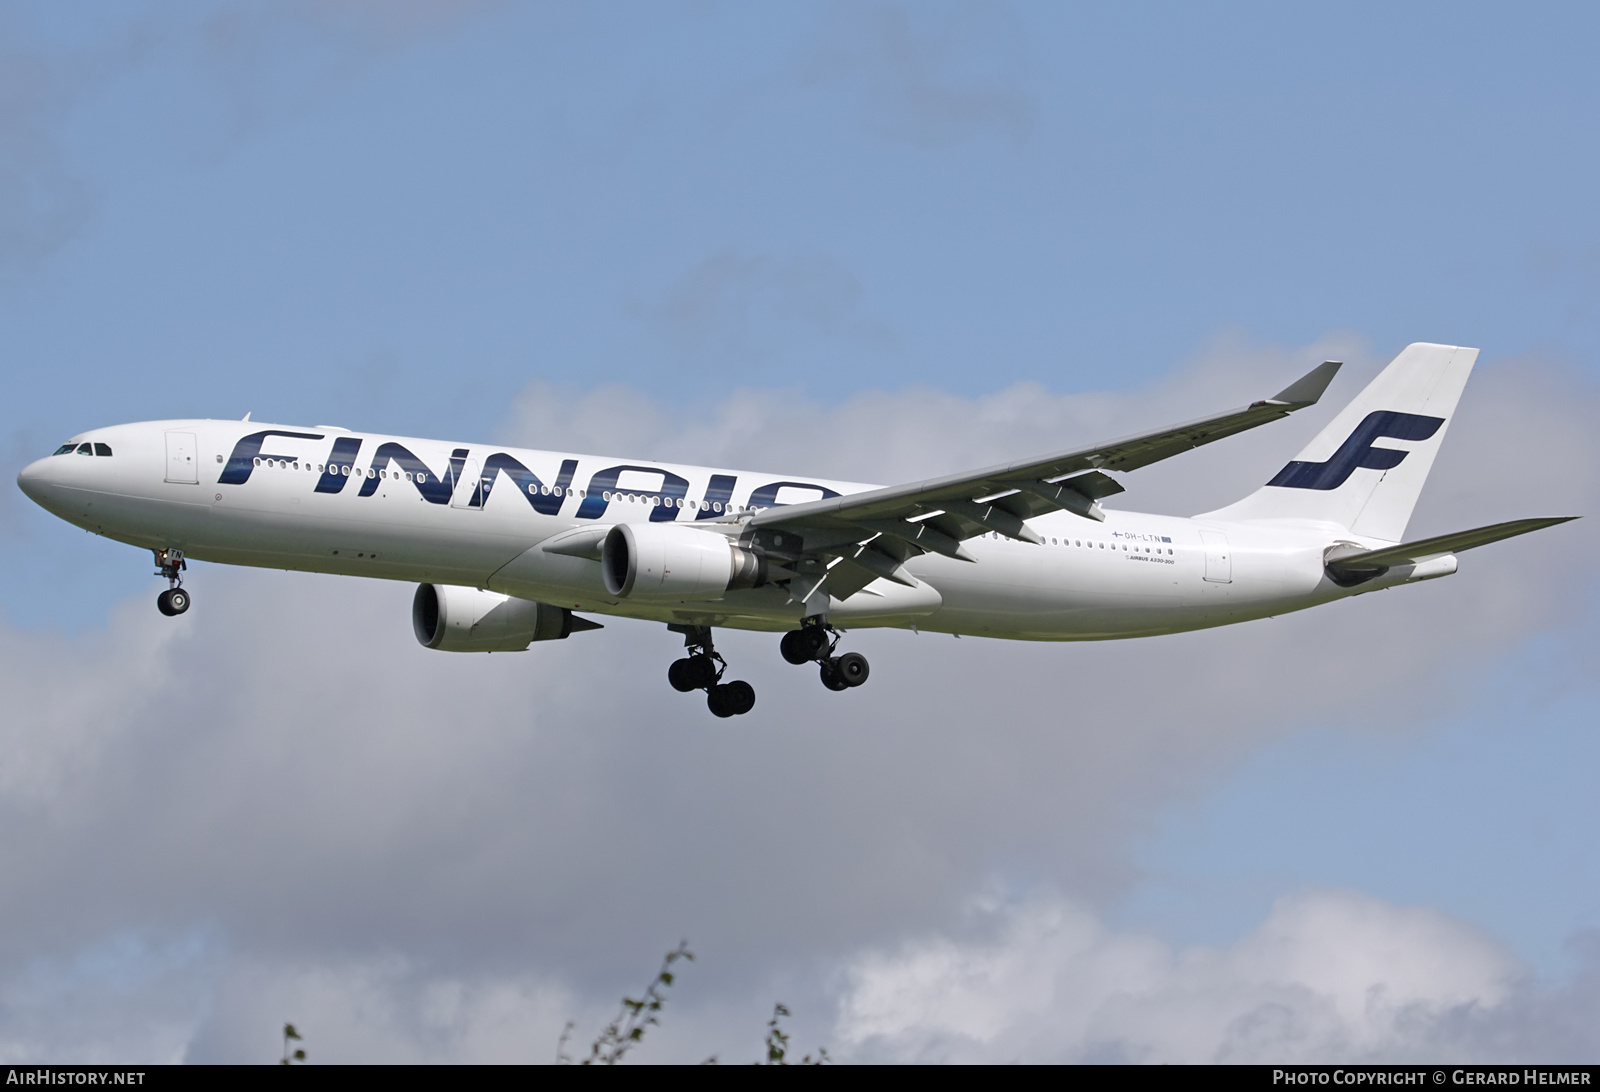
(802, 646)
(702, 671)
(731, 699)
(170, 564)
(852, 667)
(692, 673)
(792, 649)
(831, 677)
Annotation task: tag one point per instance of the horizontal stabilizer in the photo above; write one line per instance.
(1368, 563)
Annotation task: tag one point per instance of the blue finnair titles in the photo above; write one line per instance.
(1020, 550)
(439, 486)
(247, 453)
(341, 464)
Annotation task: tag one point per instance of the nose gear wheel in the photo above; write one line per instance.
(170, 564)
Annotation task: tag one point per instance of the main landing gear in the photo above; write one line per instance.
(815, 641)
(174, 600)
(702, 669)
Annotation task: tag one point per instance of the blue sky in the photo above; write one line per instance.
(498, 220)
(1488, 812)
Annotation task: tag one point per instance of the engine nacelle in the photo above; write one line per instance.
(457, 619)
(664, 563)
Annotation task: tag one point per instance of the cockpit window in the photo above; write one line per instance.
(85, 449)
(66, 449)
(102, 449)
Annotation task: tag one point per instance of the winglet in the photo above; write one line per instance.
(1309, 387)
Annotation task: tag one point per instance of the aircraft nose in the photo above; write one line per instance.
(36, 480)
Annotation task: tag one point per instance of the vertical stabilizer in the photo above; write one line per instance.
(1365, 471)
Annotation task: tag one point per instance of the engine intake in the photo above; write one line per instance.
(662, 563)
(456, 619)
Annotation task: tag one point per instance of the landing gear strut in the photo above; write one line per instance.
(814, 642)
(702, 669)
(174, 600)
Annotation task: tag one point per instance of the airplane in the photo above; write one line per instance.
(510, 546)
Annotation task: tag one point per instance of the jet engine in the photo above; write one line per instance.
(663, 563)
(457, 619)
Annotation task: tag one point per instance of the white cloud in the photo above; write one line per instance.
(1327, 976)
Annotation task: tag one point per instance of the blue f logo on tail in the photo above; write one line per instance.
(1358, 451)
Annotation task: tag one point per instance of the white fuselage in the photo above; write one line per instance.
(327, 500)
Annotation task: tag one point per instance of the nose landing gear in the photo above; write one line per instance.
(703, 668)
(174, 600)
(814, 642)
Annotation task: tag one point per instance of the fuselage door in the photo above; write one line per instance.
(182, 466)
(467, 486)
(1219, 559)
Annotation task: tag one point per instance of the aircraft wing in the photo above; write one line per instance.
(870, 535)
